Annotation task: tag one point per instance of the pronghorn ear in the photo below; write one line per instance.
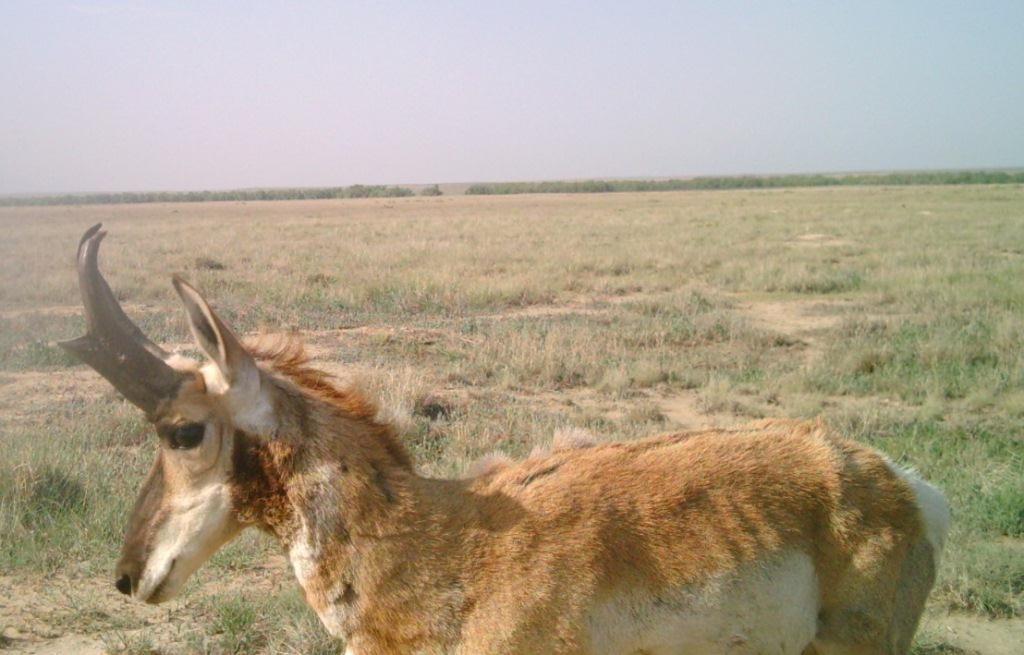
(210, 333)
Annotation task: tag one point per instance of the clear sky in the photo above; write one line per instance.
(118, 95)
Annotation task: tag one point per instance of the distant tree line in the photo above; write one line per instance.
(312, 193)
(752, 182)
(504, 188)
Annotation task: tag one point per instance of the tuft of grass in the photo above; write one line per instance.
(52, 495)
(208, 264)
(938, 647)
(279, 623)
(646, 413)
(985, 577)
(951, 356)
(295, 628)
(825, 282)
(123, 643)
(65, 490)
(250, 549)
(236, 622)
(36, 354)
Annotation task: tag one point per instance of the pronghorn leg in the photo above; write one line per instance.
(915, 581)
(876, 630)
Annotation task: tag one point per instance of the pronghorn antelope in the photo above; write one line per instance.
(779, 537)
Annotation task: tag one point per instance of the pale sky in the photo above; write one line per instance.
(113, 95)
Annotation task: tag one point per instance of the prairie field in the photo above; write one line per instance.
(488, 323)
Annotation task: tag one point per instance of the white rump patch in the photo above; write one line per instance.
(933, 505)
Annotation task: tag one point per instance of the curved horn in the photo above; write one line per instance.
(112, 344)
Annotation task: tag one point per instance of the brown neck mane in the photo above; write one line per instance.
(328, 433)
(286, 356)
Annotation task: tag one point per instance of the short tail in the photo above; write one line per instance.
(934, 509)
(921, 565)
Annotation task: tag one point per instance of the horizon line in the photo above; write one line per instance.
(596, 178)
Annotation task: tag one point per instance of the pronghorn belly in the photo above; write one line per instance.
(763, 608)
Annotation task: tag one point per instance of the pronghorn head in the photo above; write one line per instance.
(184, 511)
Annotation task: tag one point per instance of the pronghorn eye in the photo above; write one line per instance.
(186, 436)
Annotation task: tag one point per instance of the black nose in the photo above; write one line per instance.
(124, 584)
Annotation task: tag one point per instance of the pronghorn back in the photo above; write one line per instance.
(713, 531)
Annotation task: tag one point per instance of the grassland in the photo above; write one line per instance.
(895, 313)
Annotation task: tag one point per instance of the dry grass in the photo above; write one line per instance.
(490, 323)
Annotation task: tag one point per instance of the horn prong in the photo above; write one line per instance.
(113, 345)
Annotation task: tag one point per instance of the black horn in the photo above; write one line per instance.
(112, 344)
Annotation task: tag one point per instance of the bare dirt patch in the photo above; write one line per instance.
(78, 644)
(686, 410)
(973, 635)
(586, 399)
(329, 344)
(73, 613)
(818, 240)
(583, 305)
(803, 321)
(46, 310)
(132, 309)
(542, 311)
(32, 395)
(689, 411)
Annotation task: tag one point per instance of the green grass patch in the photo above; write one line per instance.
(952, 356)
(66, 488)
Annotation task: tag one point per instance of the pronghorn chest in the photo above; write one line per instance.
(371, 611)
(324, 592)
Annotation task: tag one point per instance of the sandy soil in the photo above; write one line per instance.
(800, 320)
(69, 613)
(973, 635)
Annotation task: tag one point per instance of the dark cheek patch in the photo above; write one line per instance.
(258, 493)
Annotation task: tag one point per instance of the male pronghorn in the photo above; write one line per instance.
(780, 537)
